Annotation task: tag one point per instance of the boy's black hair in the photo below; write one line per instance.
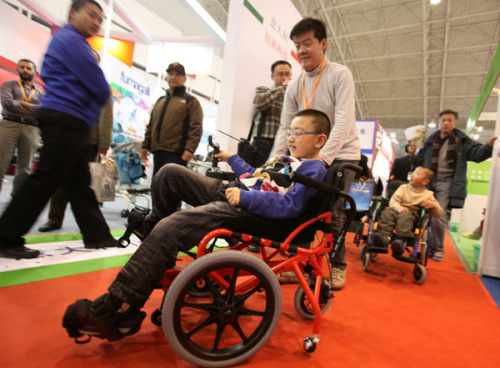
(309, 24)
(320, 120)
(444, 112)
(279, 62)
(77, 4)
(28, 61)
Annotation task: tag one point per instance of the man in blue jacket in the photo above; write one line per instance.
(446, 152)
(76, 89)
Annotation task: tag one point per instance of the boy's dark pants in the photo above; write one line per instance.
(176, 231)
(390, 218)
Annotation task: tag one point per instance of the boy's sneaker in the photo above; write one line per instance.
(471, 236)
(337, 278)
(398, 247)
(101, 318)
(438, 256)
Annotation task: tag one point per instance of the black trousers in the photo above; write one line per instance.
(161, 158)
(63, 162)
(60, 199)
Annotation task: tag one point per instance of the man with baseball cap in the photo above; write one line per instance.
(175, 126)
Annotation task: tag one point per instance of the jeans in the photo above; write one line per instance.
(337, 211)
(176, 230)
(442, 194)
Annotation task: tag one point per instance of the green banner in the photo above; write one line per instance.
(478, 177)
(489, 83)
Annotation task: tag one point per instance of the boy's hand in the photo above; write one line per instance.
(428, 204)
(233, 196)
(224, 156)
(403, 210)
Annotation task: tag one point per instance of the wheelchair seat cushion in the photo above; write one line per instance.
(278, 230)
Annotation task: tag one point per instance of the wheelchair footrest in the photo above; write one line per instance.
(374, 249)
(406, 259)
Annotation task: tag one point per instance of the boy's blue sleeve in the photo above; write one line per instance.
(292, 204)
(239, 165)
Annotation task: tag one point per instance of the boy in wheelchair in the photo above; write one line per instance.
(118, 313)
(403, 210)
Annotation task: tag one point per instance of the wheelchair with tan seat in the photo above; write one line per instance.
(224, 306)
(416, 249)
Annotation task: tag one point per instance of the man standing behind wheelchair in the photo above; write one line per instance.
(403, 211)
(446, 153)
(328, 87)
(118, 313)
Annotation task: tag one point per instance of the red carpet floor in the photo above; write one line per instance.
(380, 319)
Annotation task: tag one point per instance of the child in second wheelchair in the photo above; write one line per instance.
(403, 211)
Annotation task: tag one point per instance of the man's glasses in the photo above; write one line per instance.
(297, 133)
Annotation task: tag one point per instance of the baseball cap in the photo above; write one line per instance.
(177, 67)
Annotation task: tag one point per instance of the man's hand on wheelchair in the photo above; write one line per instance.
(233, 196)
(224, 156)
(428, 204)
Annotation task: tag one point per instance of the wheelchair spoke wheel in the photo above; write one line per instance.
(304, 307)
(419, 273)
(232, 322)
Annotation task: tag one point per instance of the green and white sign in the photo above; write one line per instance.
(478, 176)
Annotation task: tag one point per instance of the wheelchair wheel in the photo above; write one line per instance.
(366, 260)
(302, 304)
(229, 325)
(419, 273)
(362, 252)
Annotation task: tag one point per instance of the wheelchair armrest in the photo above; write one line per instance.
(316, 184)
(221, 175)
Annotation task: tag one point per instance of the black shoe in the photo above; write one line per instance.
(48, 227)
(101, 319)
(398, 247)
(380, 240)
(140, 223)
(18, 252)
(110, 243)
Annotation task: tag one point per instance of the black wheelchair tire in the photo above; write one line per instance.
(187, 348)
(301, 307)
(419, 274)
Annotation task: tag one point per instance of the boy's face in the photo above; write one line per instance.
(87, 20)
(418, 179)
(309, 50)
(304, 145)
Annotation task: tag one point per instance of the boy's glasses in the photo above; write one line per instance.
(297, 133)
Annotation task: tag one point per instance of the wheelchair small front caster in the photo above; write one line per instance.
(156, 317)
(124, 213)
(310, 344)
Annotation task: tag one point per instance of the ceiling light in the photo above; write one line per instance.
(476, 137)
(435, 2)
(195, 5)
(479, 129)
(393, 135)
(432, 124)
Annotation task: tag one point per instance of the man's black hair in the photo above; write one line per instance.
(444, 112)
(309, 24)
(28, 61)
(279, 62)
(320, 120)
(77, 4)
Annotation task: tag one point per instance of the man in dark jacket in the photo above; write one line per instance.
(176, 123)
(446, 152)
